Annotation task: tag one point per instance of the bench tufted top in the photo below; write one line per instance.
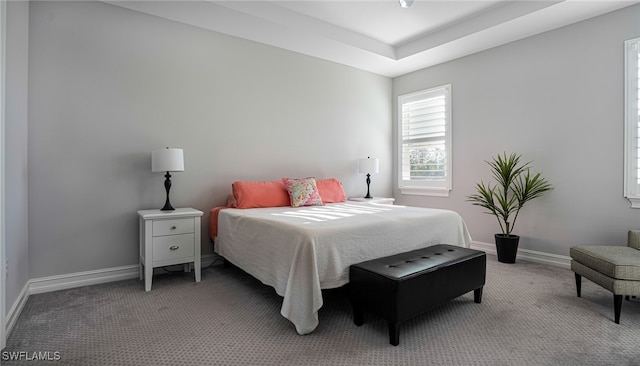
(419, 261)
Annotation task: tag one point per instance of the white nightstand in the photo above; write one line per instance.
(383, 200)
(168, 238)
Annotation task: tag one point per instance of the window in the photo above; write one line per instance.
(424, 142)
(632, 122)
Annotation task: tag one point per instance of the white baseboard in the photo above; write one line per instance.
(16, 309)
(528, 255)
(78, 279)
(72, 280)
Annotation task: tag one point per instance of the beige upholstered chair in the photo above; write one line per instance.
(616, 268)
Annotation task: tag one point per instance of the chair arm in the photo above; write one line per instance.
(633, 239)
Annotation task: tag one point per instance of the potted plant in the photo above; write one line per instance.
(515, 186)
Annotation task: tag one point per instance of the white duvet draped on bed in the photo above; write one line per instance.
(299, 251)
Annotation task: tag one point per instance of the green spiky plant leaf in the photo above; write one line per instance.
(515, 185)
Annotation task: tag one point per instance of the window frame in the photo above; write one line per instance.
(631, 121)
(3, 256)
(426, 187)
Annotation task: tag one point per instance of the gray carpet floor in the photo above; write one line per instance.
(529, 315)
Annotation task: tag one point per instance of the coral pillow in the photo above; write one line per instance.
(260, 194)
(303, 192)
(331, 190)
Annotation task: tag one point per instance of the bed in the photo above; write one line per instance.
(301, 250)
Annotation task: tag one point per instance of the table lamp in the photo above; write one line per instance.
(167, 160)
(368, 166)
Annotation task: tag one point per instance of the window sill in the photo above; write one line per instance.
(436, 192)
(635, 201)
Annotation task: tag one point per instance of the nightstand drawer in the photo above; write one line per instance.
(172, 227)
(173, 246)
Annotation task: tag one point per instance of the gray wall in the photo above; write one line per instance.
(108, 85)
(557, 98)
(16, 239)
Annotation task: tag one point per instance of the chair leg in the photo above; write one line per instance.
(617, 307)
(578, 284)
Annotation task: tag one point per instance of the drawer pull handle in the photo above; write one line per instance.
(173, 227)
(174, 247)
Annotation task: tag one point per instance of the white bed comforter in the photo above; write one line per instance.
(299, 251)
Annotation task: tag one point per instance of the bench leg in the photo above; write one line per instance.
(477, 295)
(617, 307)
(394, 333)
(358, 318)
(578, 283)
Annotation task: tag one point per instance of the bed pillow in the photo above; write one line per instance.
(331, 190)
(260, 194)
(302, 191)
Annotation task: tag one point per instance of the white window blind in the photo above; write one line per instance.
(425, 141)
(632, 121)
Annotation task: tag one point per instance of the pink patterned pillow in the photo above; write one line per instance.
(303, 192)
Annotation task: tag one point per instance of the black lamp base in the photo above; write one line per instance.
(167, 187)
(368, 183)
(167, 206)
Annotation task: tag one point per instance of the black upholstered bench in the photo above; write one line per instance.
(404, 285)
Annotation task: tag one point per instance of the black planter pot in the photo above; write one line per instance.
(507, 247)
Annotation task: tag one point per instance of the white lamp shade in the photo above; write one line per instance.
(167, 160)
(369, 166)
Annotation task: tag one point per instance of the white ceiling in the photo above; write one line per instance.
(378, 35)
